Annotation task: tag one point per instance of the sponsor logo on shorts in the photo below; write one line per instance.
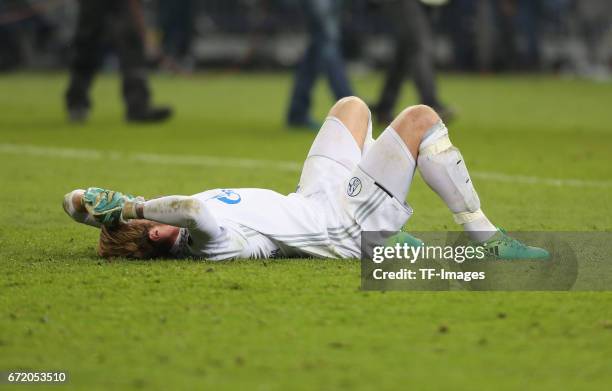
(354, 187)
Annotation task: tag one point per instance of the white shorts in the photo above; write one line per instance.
(351, 200)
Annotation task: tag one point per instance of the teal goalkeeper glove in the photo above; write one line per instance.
(106, 205)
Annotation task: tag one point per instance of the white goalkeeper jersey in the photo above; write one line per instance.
(260, 223)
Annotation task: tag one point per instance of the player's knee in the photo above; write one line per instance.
(354, 114)
(350, 107)
(351, 100)
(415, 120)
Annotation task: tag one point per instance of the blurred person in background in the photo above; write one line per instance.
(461, 21)
(121, 21)
(11, 53)
(323, 55)
(176, 21)
(594, 26)
(24, 31)
(509, 35)
(413, 40)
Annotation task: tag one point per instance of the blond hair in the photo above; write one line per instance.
(130, 240)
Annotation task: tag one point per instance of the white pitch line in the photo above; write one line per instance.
(533, 180)
(215, 161)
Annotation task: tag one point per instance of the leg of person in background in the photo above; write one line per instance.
(323, 55)
(175, 20)
(413, 53)
(394, 78)
(86, 59)
(129, 44)
(418, 139)
(333, 61)
(304, 79)
(527, 23)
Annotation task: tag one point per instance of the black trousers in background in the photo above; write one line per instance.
(413, 54)
(100, 23)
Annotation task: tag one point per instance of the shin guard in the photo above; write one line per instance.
(443, 168)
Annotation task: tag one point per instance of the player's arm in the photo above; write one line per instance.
(179, 211)
(74, 206)
(112, 207)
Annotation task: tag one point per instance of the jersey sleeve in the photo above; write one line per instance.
(185, 212)
(78, 216)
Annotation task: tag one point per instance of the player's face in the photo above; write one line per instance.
(162, 233)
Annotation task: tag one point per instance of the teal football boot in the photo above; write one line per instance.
(503, 247)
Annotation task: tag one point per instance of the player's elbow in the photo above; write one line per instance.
(199, 219)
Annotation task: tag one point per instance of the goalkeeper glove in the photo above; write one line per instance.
(106, 205)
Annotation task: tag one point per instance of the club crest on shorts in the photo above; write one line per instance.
(354, 187)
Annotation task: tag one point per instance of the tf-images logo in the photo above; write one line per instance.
(354, 187)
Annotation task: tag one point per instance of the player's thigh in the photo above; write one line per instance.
(333, 154)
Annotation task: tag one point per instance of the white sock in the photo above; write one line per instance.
(390, 163)
(480, 229)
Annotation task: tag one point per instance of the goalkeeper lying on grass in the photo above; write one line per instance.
(350, 183)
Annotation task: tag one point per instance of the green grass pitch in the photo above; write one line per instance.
(291, 324)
